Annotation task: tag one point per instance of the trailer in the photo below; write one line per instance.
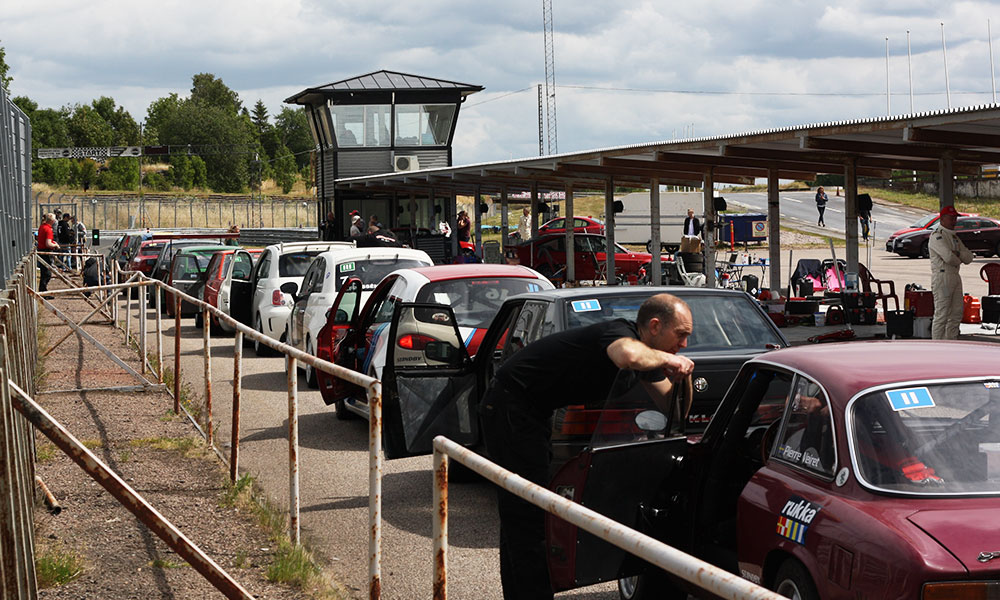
(633, 224)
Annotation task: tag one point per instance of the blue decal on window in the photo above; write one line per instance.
(585, 305)
(910, 398)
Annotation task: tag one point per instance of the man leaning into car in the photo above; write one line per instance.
(570, 367)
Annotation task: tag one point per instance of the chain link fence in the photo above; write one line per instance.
(15, 185)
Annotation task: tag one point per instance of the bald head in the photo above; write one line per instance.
(664, 322)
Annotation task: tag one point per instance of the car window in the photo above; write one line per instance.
(580, 223)
(765, 393)
(374, 270)
(186, 268)
(598, 243)
(807, 439)
(213, 265)
(243, 266)
(556, 245)
(319, 274)
(967, 224)
(556, 224)
(153, 248)
(309, 280)
(295, 264)
(476, 301)
(582, 244)
(527, 328)
(264, 266)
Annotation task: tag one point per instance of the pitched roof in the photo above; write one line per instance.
(390, 81)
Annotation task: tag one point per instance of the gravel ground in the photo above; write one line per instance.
(121, 557)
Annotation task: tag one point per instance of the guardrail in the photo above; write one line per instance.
(704, 575)
(372, 386)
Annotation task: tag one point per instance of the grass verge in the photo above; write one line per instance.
(55, 566)
(188, 447)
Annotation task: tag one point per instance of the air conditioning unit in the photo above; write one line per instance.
(405, 162)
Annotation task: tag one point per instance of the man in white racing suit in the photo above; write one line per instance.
(947, 253)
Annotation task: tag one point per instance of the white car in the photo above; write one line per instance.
(266, 301)
(328, 272)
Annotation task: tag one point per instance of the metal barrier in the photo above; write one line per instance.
(704, 575)
(15, 185)
(373, 387)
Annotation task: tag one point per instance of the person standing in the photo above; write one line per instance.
(64, 234)
(692, 226)
(356, 226)
(524, 228)
(80, 233)
(517, 409)
(821, 201)
(46, 243)
(948, 253)
(464, 226)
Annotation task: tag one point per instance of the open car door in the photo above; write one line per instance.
(631, 457)
(240, 290)
(342, 316)
(428, 384)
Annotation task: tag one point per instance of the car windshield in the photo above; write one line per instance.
(935, 439)
(475, 301)
(189, 266)
(372, 271)
(723, 322)
(295, 264)
(153, 248)
(925, 221)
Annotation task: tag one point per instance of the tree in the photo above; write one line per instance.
(208, 90)
(126, 130)
(159, 112)
(88, 128)
(5, 80)
(121, 174)
(200, 124)
(200, 172)
(293, 127)
(83, 172)
(285, 172)
(182, 171)
(259, 117)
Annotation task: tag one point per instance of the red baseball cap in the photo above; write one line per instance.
(949, 210)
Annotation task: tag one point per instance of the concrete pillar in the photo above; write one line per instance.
(609, 228)
(534, 210)
(708, 194)
(851, 213)
(477, 236)
(656, 267)
(773, 233)
(946, 182)
(570, 245)
(453, 222)
(504, 219)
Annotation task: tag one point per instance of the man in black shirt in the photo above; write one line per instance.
(575, 366)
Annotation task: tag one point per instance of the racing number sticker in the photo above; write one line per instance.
(910, 398)
(586, 305)
(347, 266)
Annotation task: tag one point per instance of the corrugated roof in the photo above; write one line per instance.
(395, 81)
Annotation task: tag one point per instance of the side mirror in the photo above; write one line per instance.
(291, 288)
(341, 318)
(651, 420)
(440, 351)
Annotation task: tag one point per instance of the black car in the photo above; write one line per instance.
(729, 329)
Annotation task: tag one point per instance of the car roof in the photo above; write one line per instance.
(374, 252)
(319, 246)
(472, 270)
(631, 290)
(203, 248)
(847, 368)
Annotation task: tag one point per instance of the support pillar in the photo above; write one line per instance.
(453, 223)
(773, 234)
(504, 220)
(708, 194)
(534, 210)
(946, 182)
(851, 213)
(477, 222)
(570, 263)
(609, 228)
(656, 267)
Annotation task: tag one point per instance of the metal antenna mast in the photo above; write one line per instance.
(550, 78)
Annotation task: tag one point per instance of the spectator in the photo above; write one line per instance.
(356, 225)
(46, 243)
(233, 241)
(524, 228)
(64, 235)
(464, 227)
(81, 238)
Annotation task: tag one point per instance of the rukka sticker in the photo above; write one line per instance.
(795, 518)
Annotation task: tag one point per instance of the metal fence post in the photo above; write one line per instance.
(293, 449)
(128, 315)
(159, 334)
(11, 559)
(234, 448)
(143, 310)
(440, 533)
(206, 337)
(375, 491)
(177, 354)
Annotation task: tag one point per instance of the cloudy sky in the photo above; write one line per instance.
(627, 71)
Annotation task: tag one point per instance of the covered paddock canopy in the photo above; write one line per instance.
(950, 142)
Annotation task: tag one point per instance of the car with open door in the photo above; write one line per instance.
(187, 274)
(372, 340)
(324, 278)
(225, 268)
(547, 254)
(265, 303)
(729, 329)
(854, 470)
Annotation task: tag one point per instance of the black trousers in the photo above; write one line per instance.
(45, 274)
(821, 209)
(517, 435)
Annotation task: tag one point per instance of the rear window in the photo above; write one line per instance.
(153, 248)
(720, 322)
(371, 272)
(476, 301)
(295, 264)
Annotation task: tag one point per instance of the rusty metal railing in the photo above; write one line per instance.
(293, 356)
(704, 575)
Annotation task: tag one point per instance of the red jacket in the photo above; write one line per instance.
(44, 233)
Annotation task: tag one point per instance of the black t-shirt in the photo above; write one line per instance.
(569, 367)
(65, 232)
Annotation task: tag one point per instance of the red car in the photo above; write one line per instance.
(580, 225)
(225, 267)
(854, 470)
(145, 255)
(547, 255)
(926, 222)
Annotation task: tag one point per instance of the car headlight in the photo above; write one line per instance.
(961, 590)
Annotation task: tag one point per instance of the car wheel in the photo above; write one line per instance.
(925, 251)
(649, 586)
(793, 581)
(310, 371)
(259, 348)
